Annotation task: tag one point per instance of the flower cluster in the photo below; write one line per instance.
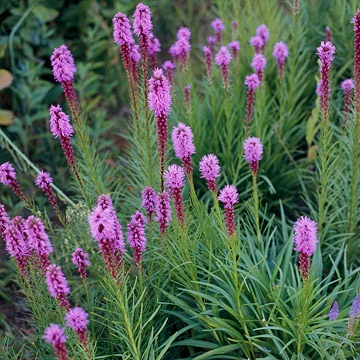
(180, 50)
(163, 211)
(57, 285)
(148, 196)
(210, 170)
(229, 197)
(136, 236)
(80, 259)
(280, 54)
(8, 177)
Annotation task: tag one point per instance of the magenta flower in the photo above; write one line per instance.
(180, 51)
(160, 101)
(234, 47)
(80, 259)
(326, 53)
(148, 196)
(122, 29)
(222, 59)
(38, 241)
(8, 177)
(356, 22)
(280, 54)
(211, 41)
(187, 96)
(305, 240)
(208, 61)
(252, 82)
(63, 65)
(355, 308)
(182, 138)
(334, 311)
(229, 197)
(218, 27)
(175, 181)
(253, 150)
(258, 43)
(347, 86)
(169, 67)
(136, 236)
(142, 20)
(263, 32)
(154, 47)
(77, 319)
(57, 285)
(106, 230)
(258, 63)
(183, 33)
(55, 335)
(44, 181)
(163, 211)
(234, 25)
(16, 243)
(4, 219)
(210, 170)
(63, 68)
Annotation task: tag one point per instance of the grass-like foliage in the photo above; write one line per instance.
(228, 226)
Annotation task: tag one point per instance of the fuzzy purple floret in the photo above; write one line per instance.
(229, 196)
(60, 122)
(154, 45)
(209, 167)
(159, 94)
(122, 29)
(263, 32)
(63, 65)
(142, 20)
(234, 46)
(326, 52)
(57, 285)
(175, 177)
(183, 33)
(258, 62)
(55, 335)
(253, 149)
(80, 259)
(252, 81)
(347, 85)
(77, 319)
(305, 237)
(163, 210)
(355, 308)
(4, 219)
(280, 52)
(257, 42)
(43, 180)
(136, 235)
(37, 238)
(217, 25)
(223, 57)
(148, 196)
(334, 311)
(182, 138)
(7, 173)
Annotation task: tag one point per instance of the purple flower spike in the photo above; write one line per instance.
(57, 285)
(142, 20)
(347, 86)
(44, 181)
(8, 177)
(252, 82)
(263, 32)
(280, 54)
(169, 67)
(63, 65)
(356, 22)
(4, 219)
(211, 41)
(222, 59)
(148, 196)
(229, 197)
(258, 43)
(187, 96)
(182, 138)
(163, 211)
(328, 34)
(253, 150)
(355, 308)
(183, 33)
(234, 47)
(181, 49)
(210, 170)
(136, 236)
(334, 311)
(77, 319)
(258, 63)
(218, 27)
(80, 259)
(326, 52)
(305, 240)
(55, 335)
(38, 241)
(154, 47)
(175, 181)
(208, 61)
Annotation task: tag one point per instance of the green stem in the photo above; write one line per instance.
(256, 214)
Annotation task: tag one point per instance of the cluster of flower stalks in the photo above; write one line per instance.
(27, 240)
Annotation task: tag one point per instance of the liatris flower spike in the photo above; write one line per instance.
(63, 68)
(16, 244)
(234, 47)
(328, 34)
(8, 177)
(208, 61)
(280, 54)
(55, 335)
(354, 315)
(175, 181)
(77, 319)
(38, 241)
(211, 41)
(136, 236)
(252, 82)
(258, 63)
(163, 211)
(4, 219)
(160, 101)
(57, 285)
(218, 27)
(154, 47)
(263, 32)
(305, 240)
(258, 43)
(356, 22)
(253, 150)
(334, 311)
(187, 97)
(347, 86)
(182, 138)
(181, 49)
(169, 67)
(222, 59)
(80, 259)
(148, 196)
(210, 170)
(229, 196)
(326, 52)
(44, 181)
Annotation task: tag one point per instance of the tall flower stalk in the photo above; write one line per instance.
(229, 197)
(252, 82)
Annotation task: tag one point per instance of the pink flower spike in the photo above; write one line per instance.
(4, 219)
(122, 29)
(211, 41)
(8, 177)
(63, 65)
(187, 96)
(234, 47)
(210, 170)
(222, 59)
(259, 63)
(355, 308)
(77, 319)
(163, 211)
(218, 27)
(44, 181)
(252, 82)
(305, 240)
(258, 43)
(183, 33)
(60, 122)
(182, 138)
(180, 51)
(175, 177)
(280, 54)
(79, 259)
(263, 32)
(142, 20)
(148, 196)
(55, 335)
(169, 67)
(234, 25)
(356, 22)
(57, 285)
(253, 150)
(208, 61)
(229, 196)
(347, 86)
(334, 311)
(136, 236)
(154, 47)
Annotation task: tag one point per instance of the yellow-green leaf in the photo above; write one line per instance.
(5, 79)
(6, 117)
